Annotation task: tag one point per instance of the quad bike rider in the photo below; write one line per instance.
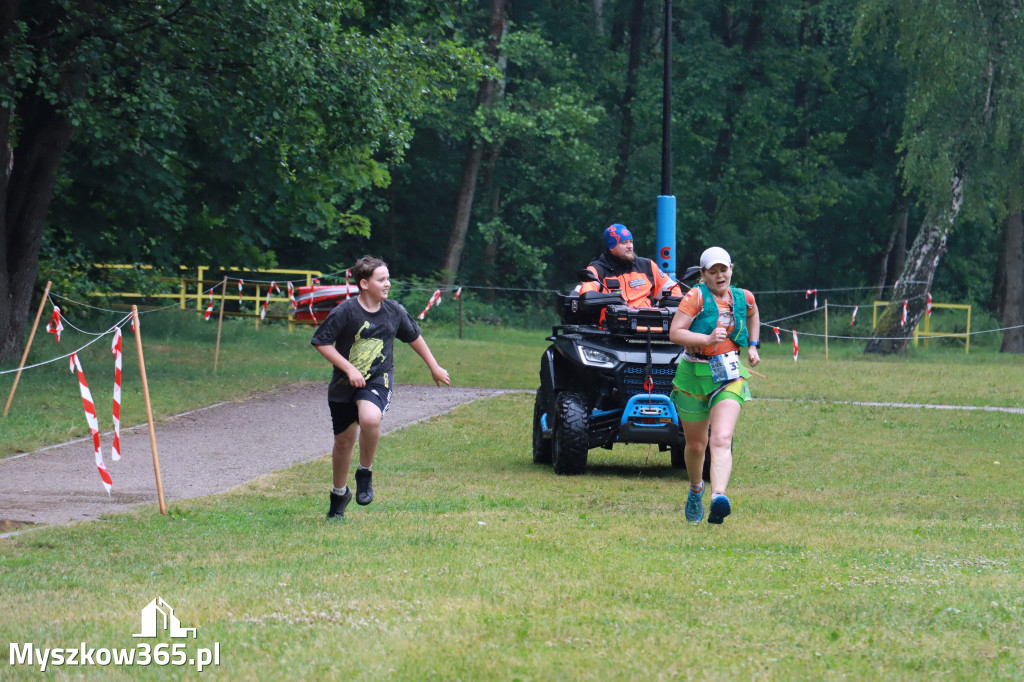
(607, 376)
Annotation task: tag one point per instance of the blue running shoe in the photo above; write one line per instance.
(695, 506)
(720, 508)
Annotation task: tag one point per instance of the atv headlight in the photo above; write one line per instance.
(597, 358)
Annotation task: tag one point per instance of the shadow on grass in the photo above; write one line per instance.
(662, 471)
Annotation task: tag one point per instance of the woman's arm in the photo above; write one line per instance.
(679, 332)
(753, 334)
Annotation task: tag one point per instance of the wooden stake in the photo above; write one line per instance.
(24, 355)
(220, 322)
(460, 315)
(826, 331)
(149, 410)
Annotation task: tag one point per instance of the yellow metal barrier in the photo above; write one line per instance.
(202, 286)
(966, 336)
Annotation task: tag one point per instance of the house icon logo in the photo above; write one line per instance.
(159, 615)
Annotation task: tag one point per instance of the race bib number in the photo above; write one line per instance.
(725, 367)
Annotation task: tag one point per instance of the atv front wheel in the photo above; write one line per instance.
(570, 442)
(541, 445)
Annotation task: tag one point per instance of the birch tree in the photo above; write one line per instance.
(964, 102)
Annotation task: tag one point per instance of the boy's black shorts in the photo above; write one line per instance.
(345, 414)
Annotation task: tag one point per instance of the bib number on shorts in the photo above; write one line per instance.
(725, 367)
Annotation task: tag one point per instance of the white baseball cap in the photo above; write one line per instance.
(714, 255)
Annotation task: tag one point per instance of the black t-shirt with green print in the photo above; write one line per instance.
(367, 341)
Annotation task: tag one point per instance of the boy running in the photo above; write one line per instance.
(358, 338)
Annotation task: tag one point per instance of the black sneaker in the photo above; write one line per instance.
(364, 486)
(338, 504)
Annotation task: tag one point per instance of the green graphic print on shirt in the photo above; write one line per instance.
(365, 352)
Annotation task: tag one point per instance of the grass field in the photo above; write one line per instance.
(866, 542)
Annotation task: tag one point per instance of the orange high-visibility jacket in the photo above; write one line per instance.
(640, 282)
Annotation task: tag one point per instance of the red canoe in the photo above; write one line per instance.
(313, 303)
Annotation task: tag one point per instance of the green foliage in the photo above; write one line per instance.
(311, 133)
(964, 96)
(544, 165)
(269, 136)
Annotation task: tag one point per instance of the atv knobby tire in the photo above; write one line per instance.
(679, 461)
(570, 442)
(541, 445)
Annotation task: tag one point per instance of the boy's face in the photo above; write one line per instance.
(379, 283)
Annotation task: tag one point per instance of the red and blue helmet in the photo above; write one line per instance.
(616, 234)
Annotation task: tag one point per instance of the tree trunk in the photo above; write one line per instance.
(894, 256)
(632, 69)
(915, 281)
(30, 157)
(493, 244)
(486, 96)
(999, 279)
(24, 203)
(1013, 284)
(998, 297)
(598, 8)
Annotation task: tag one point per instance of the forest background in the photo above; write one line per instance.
(871, 146)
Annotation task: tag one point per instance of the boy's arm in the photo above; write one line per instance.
(437, 372)
(355, 377)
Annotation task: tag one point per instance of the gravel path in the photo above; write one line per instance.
(201, 452)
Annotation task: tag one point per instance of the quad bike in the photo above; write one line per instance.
(606, 378)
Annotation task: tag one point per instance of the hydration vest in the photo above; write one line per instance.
(707, 319)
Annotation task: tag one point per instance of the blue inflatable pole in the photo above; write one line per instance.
(666, 239)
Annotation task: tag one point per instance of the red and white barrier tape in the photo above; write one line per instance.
(929, 304)
(903, 317)
(796, 347)
(458, 293)
(348, 273)
(54, 326)
(240, 292)
(815, 292)
(273, 287)
(777, 336)
(90, 416)
(853, 318)
(115, 348)
(209, 307)
(435, 299)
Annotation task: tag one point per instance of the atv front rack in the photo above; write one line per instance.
(626, 320)
(595, 312)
